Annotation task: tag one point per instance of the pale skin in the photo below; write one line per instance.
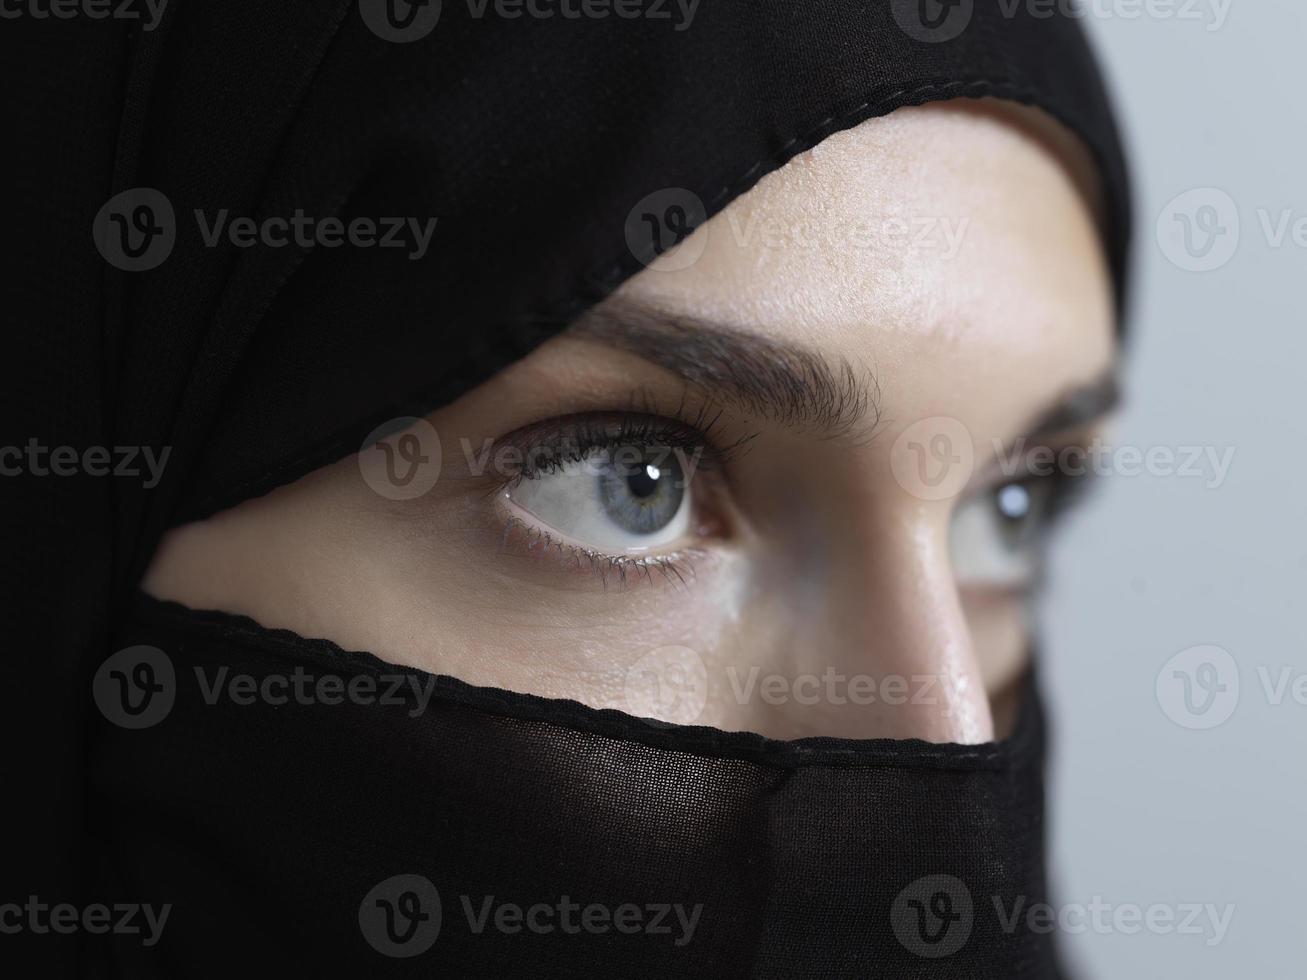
(820, 595)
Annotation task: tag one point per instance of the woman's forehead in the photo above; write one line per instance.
(947, 250)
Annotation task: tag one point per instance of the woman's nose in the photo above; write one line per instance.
(879, 639)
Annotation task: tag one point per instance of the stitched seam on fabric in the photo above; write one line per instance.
(607, 722)
(562, 311)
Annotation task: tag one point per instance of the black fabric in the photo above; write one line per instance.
(530, 141)
(267, 829)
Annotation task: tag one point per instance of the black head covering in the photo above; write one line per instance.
(531, 141)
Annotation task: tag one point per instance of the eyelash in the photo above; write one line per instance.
(550, 446)
(1066, 491)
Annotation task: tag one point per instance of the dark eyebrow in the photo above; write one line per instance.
(789, 385)
(1078, 408)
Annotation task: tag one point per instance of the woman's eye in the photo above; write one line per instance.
(624, 500)
(995, 534)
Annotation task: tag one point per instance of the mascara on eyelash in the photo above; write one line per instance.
(548, 447)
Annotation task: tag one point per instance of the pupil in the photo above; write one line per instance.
(642, 498)
(644, 483)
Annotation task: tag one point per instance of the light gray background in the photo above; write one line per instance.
(1144, 810)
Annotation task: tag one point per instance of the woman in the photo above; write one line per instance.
(629, 576)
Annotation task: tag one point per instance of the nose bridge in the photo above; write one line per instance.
(914, 623)
(894, 620)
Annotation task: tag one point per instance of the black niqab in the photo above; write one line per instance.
(531, 142)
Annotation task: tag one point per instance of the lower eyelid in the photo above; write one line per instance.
(525, 541)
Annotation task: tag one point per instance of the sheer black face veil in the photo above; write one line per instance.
(281, 836)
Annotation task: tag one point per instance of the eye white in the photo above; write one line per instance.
(570, 503)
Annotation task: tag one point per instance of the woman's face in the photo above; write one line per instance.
(781, 487)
